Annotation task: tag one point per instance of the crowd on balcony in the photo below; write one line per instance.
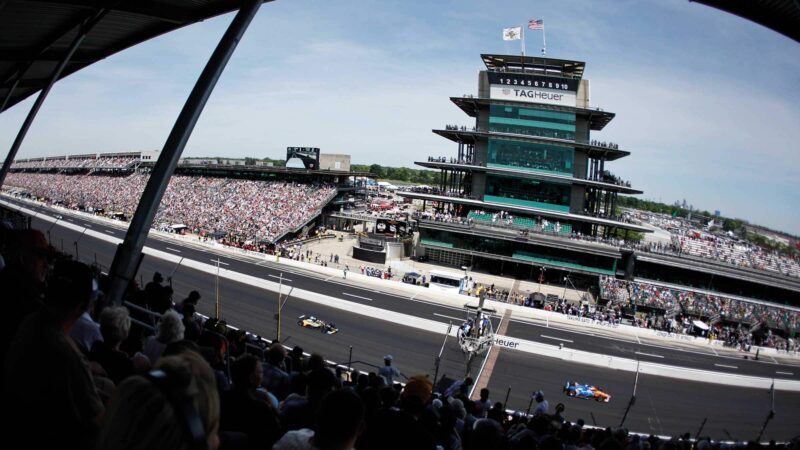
(604, 144)
(234, 209)
(459, 128)
(451, 160)
(608, 177)
(716, 308)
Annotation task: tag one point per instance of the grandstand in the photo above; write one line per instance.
(238, 205)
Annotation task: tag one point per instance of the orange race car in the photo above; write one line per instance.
(578, 390)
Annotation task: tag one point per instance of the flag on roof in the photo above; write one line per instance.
(512, 34)
(537, 24)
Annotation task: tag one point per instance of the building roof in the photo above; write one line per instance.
(35, 35)
(593, 151)
(782, 16)
(534, 64)
(598, 118)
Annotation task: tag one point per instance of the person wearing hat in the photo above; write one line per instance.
(388, 371)
(542, 406)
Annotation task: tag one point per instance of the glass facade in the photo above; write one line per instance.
(529, 156)
(533, 122)
(531, 193)
(521, 251)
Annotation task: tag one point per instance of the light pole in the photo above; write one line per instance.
(216, 291)
(564, 296)
(77, 258)
(281, 305)
(50, 240)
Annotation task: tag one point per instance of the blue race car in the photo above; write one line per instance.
(578, 390)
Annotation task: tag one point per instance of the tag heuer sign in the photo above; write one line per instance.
(529, 88)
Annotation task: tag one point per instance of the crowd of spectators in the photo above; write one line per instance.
(459, 128)
(687, 239)
(165, 386)
(239, 210)
(604, 144)
(714, 307)
(78, 162)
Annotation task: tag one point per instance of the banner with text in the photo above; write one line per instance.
(533, 88)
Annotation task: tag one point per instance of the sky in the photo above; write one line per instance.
(707, 103)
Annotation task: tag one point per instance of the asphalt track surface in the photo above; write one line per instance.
(664, 406)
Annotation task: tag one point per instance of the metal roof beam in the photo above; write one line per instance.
(158, 11)
(25, 62)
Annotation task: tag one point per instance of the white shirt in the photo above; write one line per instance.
(85, 332)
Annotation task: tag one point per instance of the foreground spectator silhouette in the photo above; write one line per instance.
(174, 407)
(115, 324)
(48, 387)
(27, 258)
(337, 425)
(245, 410)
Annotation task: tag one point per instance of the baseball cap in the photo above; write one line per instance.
(388, 358)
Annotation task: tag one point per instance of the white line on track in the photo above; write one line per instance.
(773, 359)
(783, 373)
(712, 349)
(602, 336)
(221, 262)
(278, 278)
(70, 219)
(555, 338)
(356, 296)
(329, 278)
(87, 225)
(649, 354)
(109, 231)
(414, 296)
(725, 365)
(460, 319)
(173, 249)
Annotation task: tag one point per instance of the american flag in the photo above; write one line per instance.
(536, 24)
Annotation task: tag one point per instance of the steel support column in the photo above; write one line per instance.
(123, 269)
(85, 28)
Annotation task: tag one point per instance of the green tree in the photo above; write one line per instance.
(377, 169)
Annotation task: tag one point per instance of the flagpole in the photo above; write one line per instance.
(544, 41)
(523, 41)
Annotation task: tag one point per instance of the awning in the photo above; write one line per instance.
(700, 324)
(178, 226)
